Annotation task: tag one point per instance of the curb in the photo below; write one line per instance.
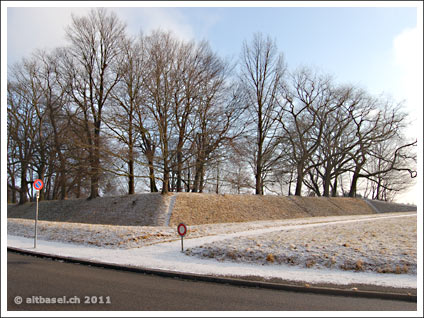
(222, 280)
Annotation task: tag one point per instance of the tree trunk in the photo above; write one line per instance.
(150, 156)
(23, 198)
(153, 187)
(353, 184)
(179, 168)
(217, 180)
(131, 186)
(202, 178)
(258, 175)
(13, 190)
(290, 182)
(188, 180)
(165, 182)
(327, 182)
(315, 184)
(172, 182)
(131, 177)
(334, 189)
(95, 163)
(378, 190)
(196, 184)
(179, 177)
(299, 181)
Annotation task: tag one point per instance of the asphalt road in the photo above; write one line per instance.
(37, 280)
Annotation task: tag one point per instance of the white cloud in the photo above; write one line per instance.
(149, 19)
(44, 28)
(407, 48)
(408, 54)
(37, 28)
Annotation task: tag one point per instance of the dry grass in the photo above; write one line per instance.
(138, 209)
(195, 208)
(150, 209)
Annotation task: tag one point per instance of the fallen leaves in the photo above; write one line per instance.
(270, 258)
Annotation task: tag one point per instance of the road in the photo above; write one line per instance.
(44, 280)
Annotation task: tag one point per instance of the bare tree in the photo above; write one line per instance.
(338, 139)
(53, 100)
(127, 99)
(169, 111)
(262, 76)
(238, 174)
(93, 71)
(217, 115)
(376, 121)
(188, 76)
(23, 125)
(160, 86)
(12, 163)
(305, 109)
(390, 168)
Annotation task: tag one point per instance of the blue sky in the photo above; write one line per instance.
(377, 48)
(353, 44)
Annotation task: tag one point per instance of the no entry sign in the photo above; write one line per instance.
(38, 184)
(182, 229)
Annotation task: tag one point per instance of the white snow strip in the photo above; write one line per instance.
(170, 208)
(168, 256)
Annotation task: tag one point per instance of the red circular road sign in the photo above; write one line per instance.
(38, 184)
(182, 229)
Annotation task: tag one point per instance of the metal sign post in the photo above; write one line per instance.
(182, 230)
(38, 185)
(36, 219)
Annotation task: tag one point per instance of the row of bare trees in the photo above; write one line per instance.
(306, 130)
(173, 115)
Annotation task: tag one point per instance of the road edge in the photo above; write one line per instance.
(223, 280)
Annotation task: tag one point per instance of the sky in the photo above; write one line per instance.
(377, 46)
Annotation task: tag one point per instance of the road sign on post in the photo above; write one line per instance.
(38, 185)
(182, 230)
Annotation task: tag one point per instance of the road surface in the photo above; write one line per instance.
(35, 284)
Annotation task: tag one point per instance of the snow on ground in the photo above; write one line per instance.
(386, 245)
(117, 236)
(167, 255)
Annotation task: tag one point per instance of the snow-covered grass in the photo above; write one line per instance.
(384, 245)
(159, 247)
(105, 236)
(118, 236)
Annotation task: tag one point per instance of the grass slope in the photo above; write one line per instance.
(150, 209)
(138, 209)
(196, 208)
